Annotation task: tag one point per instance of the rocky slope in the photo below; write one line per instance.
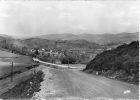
(121, 63)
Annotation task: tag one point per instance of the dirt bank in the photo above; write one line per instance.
(25, 89)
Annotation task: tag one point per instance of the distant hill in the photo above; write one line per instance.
(72, 40)
(59, 37)
(97, 38)
(9, 39)
(62, 44)
(121, 63)
(5, 37)
(19, 43)
(38, 43)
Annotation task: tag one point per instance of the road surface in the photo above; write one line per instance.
(66, 83)
(59, 65)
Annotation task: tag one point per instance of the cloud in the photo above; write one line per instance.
(46, 17)
(64, 15)
(79, 27)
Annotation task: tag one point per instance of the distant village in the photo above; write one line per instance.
(87, 54)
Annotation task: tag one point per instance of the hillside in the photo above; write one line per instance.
(62, 44)
(121, 63)
(5, 37)
(72, 40)
(11, 40)
(59, 37)
(97, 38)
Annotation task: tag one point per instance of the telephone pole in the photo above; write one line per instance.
(12, 67)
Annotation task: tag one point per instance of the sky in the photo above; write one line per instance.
(32, 18)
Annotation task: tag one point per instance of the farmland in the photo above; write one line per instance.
(20, 63)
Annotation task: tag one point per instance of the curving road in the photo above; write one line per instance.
(75, 83)
(78, 84)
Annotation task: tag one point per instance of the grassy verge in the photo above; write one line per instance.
(25, 90)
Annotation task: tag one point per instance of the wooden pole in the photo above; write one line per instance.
(34, 69)
(68, 62)
(12, 71)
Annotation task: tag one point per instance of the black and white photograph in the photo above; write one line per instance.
(69, 49)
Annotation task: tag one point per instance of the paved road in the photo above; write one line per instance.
(78, 84)
(58, 65)
(75, 83)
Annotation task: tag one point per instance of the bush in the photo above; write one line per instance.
(68, 60)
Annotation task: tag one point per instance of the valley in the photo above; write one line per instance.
(68, 68)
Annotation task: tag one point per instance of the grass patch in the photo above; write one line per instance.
(25, 90)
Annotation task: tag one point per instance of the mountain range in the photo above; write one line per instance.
(97, 38)
(72, 40)
(62, 44)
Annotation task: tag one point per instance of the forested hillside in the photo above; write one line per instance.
(62, 44)
(97, 38)
(121, 63)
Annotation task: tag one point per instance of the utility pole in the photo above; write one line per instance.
(12, 67)
(67, 57)
(34, 69)
(68, 62)
(12, 74)
(36, 54)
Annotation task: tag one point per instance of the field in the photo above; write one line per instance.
(20, 63)
(5, 68)
(8, 56)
